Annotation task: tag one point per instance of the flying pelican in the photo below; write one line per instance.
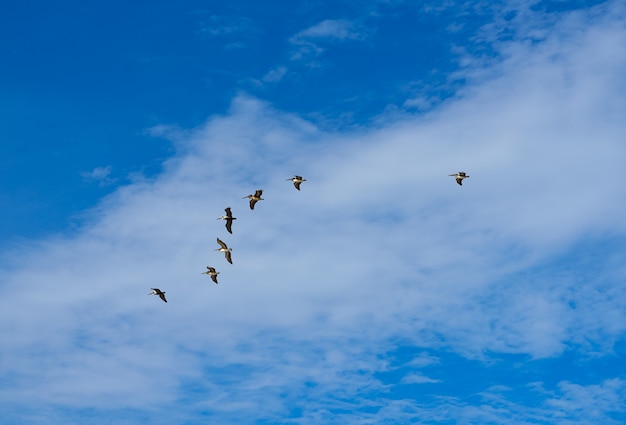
(296, 181)
(157, 291)
(211, 272)
(225, 249)
(229, 219)
(254, 198)
(459, 177)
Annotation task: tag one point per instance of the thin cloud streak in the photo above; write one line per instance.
(330, 29)
(100, 175)
(308, 42)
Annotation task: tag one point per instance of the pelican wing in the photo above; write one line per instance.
(222, 244)
(228, 257)
(229, 224)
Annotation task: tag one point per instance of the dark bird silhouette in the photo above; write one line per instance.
(225, 249)
(459, 177)
(296, 181)
(157, 291)
(211, 272)
(254, 198)
(229, 219)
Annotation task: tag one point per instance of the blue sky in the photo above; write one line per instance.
(382, 292)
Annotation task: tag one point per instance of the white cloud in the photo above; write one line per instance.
(308, 42)
(568, 404)
(591, 400)
(275, 74)
(100, 175)
(331, 29)
(418, 378)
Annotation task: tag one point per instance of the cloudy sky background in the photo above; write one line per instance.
(380, 293)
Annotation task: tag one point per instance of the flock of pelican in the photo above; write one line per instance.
(228, 218)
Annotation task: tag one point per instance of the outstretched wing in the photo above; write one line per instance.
(229, 224)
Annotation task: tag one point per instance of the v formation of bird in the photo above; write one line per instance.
(228, 218)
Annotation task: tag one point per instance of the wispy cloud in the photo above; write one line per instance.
(418, 378)
(100, 175)
(309, 42)
(220, 25)
(231, 32)
(275, 75)
(331, 29)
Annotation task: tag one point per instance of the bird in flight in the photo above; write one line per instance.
(459, 177)
(296, 181)
(211, 272)
(157, 291)
(229, 219)
(254, 198)
(225, 249)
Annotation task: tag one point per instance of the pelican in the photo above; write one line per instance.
(157, 291)
(229, 219)
(459, 177)
(254, 198)
(225, 249)
(296, 181)
(211, 272)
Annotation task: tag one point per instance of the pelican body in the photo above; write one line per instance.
(254, 198)
(296, 181)
(459, 177)
(157, 291)
(211, 272)
(229, 219)
(225, 249)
